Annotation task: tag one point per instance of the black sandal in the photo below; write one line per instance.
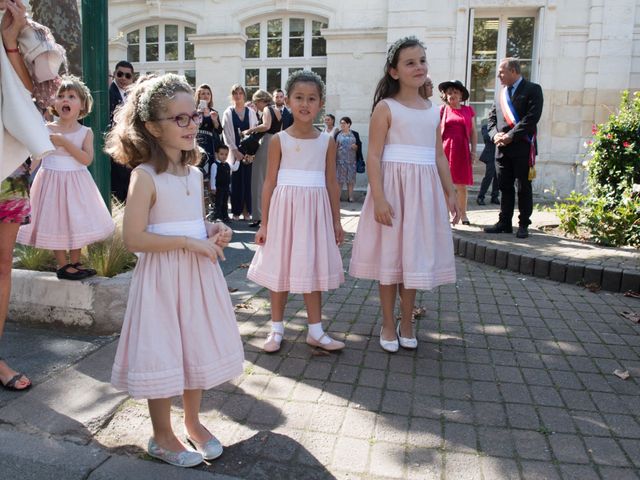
(91, 272)
(11, 384)
(64, 273)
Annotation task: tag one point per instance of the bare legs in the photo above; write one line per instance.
(61, 258)
(312, 301)
(388, 295)
(461, 199)
(350, 187)
(160, 412)
(8, 234)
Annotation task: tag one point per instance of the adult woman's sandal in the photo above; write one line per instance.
(11, 384)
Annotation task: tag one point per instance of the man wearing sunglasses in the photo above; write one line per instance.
(123, 77)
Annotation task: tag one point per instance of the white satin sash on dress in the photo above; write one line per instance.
(301, 178)
(188, 228)
(415, 154)
(62, 163)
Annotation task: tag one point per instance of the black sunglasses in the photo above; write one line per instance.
(183, 119)
(126, 75)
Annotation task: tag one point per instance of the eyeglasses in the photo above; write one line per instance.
(126, 75)
(183, 119)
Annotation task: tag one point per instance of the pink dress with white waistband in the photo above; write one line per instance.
(417, 249)
(300, 254)
(179, 331)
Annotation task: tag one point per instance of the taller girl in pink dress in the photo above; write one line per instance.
(404, 238)
(299, 237)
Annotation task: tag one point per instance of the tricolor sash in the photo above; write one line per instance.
(511, 117)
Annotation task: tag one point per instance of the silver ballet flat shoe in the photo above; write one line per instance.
(210, 450)
(390, 346)
(408, 343)
(186, 458)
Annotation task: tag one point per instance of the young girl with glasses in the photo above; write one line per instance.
(67, 210)
(179, 335)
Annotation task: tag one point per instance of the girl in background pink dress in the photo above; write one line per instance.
(67, 210)
(458, 132)
(179, 334)
(298, 239)
(404, 238)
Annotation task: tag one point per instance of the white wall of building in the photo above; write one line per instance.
(587, 52)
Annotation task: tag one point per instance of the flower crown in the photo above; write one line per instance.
(399, 43)
(166, 86)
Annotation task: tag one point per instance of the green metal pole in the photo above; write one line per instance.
(95, 68)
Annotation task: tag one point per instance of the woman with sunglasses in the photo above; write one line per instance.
(236, 119)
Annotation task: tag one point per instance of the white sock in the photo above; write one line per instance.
(277, 327)
(316, 332)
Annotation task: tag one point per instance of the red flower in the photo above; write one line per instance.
(626, 144)
(594, 129)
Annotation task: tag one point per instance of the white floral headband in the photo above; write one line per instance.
(399, 43)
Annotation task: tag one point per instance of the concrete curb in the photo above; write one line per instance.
(97, 304)
(564, 270)
(27, 457)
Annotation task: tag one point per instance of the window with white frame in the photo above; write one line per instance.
(162, 48)
(277, 47)
(495, 37)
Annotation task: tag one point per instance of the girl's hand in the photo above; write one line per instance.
(261, 235)
(57, 139)
(383, 213)
(223, 237)
(238, 155)
(474, 157)
(452, 204)
(207, 248)
(13, 21)
(214, 115)
(354, 147)
(247, 132)
(339, 233)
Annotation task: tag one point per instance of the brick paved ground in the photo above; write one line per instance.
(512, 379)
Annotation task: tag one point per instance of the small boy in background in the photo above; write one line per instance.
(220, 175)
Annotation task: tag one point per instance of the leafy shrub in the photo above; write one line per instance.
(610, 211)
(110, 257)
(32, 258)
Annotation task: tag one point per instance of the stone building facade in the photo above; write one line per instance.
(582, 52)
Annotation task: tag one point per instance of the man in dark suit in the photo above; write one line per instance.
(122, 80)
(278, 98)
(512, 127)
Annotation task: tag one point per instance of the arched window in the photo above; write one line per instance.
(162, 48)
(276, 47)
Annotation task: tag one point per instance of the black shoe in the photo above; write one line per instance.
(480, 201)
(90, 271)
(499, 228)
(64, 273)
(523, 232)
(495, 201)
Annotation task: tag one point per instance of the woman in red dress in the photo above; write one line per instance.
(458, 132)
